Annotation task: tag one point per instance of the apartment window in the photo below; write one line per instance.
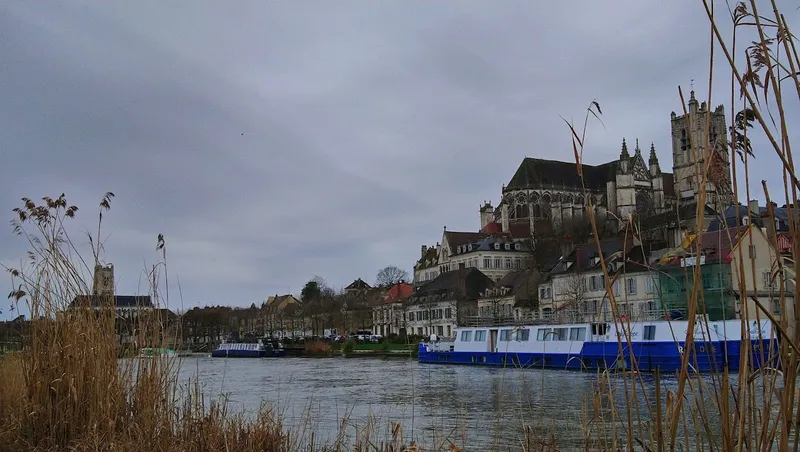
(549, 292)
(440, 330)
(505, 335)
(466, 336)
(751, 251)
(498, 262)
(448, 313)
(410, 316)
(616, 288)
(440, 313)
(649, 332)
(593, 283)
(650, 285)
(425, 314)
(631, 286)
(508, 263)
(776, 306)
(767, 282)
(487, 262)
(480, 336)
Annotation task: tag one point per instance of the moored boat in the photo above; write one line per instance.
(247, 350)
(657, 344)
(150, 352)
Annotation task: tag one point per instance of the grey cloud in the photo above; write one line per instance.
(271, 141)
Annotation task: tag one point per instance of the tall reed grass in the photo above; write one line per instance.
(753, 410)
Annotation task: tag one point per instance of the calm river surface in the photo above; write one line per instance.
(487, 406)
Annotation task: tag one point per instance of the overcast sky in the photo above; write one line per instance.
(272, 141)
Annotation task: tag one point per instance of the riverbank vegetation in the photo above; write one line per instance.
(67, 390)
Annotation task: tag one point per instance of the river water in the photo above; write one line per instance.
(484, 408)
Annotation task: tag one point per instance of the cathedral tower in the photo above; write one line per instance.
(690, 150)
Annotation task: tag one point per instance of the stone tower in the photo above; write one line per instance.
(690, 150)
(625, 182)
(657, 180)
(103, 280)
(487, 214)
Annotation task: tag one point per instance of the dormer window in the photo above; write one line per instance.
(497, 246)
(459, 248)
(470, 247)
(508, 246)
(516, 246)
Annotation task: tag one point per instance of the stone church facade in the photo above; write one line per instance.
(544, 193)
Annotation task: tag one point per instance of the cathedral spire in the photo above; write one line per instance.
(624, 154)
(637, 150)
(653, 156)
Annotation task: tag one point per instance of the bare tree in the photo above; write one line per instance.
(574, 293)
(391, 275)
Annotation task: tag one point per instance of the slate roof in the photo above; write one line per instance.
(120, 301)
(446, 285)
(431, 259)
(534, 172)
(581, 256)
(521, 284)
(487, 243)
(454, 239)
(358, 284)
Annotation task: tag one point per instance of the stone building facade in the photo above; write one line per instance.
(544, 193)
(691, 147)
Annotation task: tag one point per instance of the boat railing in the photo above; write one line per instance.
(568, 317)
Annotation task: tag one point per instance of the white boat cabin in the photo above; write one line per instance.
(569, 338)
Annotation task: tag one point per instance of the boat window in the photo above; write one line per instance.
(649, 332)
(544, 334)
(466, 336)
(480, 336)
(577, 334)
(599, 329)
(523, 335)
(560, 334)
(505, 335)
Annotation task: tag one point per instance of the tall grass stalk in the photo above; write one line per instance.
(757, 409)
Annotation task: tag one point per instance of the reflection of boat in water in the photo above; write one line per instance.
(656, 344)
(150, 352)
(248, 350)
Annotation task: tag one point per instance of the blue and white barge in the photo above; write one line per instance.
(247, 350)
(642, 345)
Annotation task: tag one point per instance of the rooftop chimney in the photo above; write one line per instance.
(752, 206)
(424, 250)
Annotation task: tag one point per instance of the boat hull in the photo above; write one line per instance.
(247, 353)
(645, 357)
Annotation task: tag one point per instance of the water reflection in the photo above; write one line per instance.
(482, 406)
